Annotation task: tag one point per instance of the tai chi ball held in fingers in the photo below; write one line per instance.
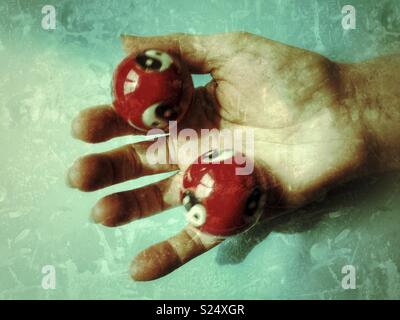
(148, 88)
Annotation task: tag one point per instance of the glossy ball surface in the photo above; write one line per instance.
(150, 89)
(218, 201)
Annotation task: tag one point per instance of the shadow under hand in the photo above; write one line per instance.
(234, 250)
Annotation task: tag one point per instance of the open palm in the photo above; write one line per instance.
(306, 137)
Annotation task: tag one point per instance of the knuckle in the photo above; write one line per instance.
(134, 160)
(136, 206)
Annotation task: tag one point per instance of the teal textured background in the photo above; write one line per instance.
(48, 76)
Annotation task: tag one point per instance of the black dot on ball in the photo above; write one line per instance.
(166, 111)
(252, 202)
(148, 63)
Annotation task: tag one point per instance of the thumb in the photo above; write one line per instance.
(201, 53)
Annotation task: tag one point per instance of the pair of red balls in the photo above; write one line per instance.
(150, 90)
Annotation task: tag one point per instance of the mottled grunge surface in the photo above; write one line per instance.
(47, 76)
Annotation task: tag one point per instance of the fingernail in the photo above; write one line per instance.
(72, 176)
(75, 128)
(133, 270)
(138, 270)
(96, 215)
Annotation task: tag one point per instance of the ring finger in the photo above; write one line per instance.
(123, 207)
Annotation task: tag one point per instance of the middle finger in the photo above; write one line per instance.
(96, 171)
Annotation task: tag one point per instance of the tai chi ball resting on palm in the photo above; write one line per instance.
(218, 200)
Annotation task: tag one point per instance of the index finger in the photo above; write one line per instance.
(201, 53)
(100, 123)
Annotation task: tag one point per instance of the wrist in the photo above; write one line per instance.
(369, 92)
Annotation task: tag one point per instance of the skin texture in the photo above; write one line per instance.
(317, 124)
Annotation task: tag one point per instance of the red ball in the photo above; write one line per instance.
(218, 201)
(150, 89)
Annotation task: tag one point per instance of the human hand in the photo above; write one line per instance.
(306, 139)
